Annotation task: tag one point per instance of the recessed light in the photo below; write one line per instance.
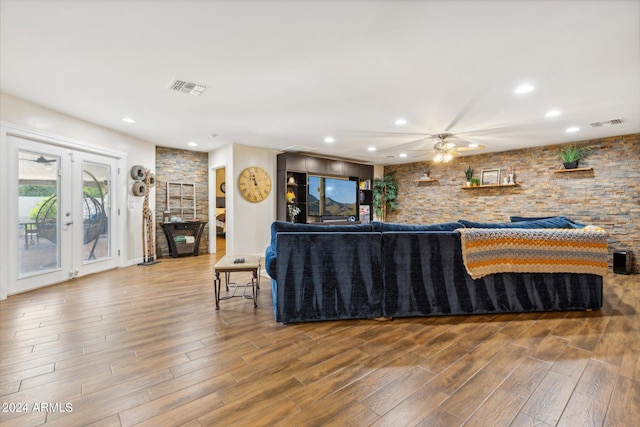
(128, 120)
(525, 88)
(400, 122)
(553, 113)
(473, 145)
(329, 140)
(371, 149)
(192, 144)
(403, 155)
(572, 129)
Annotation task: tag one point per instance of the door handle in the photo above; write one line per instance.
(68, 223)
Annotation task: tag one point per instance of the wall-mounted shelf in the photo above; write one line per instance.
(426, 180)
(573, 170)
(490, 186)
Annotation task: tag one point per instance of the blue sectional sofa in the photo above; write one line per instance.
(396, 270)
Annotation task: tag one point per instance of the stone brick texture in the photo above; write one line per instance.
(173, 165)
(607, 196)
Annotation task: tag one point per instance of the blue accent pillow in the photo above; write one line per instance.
(528, 218)
(447, 226)
(554, 222)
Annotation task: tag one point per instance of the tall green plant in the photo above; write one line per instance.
(385, 195)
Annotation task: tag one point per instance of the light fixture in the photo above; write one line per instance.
(553, 113)
(329, 140)
(525, 88)
(572, 129)
(473, 145)
(192, 144)
(128, 120)
(403, 155)
(371, 149)
(444, 150)
(400, 122)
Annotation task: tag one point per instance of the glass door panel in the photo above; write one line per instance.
(96, 211)
(38, 213)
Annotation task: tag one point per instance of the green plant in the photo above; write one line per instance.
(385, 194)
(468, 173)
(50, 214)
(572, 153)
(475, 181)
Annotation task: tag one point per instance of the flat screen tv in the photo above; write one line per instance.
(332, 197)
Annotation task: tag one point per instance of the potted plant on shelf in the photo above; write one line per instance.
(572, 154)
(385, 194)
(469, 174)
(475, 182)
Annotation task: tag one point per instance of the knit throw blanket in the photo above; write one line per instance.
(550, 250)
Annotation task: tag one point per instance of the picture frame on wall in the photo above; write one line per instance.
(490, 177)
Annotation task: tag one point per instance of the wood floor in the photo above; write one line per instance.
(145, 346)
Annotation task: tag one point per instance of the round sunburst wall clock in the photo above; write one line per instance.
(254, 183)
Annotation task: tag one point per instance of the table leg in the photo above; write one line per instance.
(255, 285)
(216, 289)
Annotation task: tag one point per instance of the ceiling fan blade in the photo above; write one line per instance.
(479, 147)
(469, 105)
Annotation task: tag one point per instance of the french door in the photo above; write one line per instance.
(64, 213)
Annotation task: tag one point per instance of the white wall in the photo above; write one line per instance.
(22, 113)
(248, 224)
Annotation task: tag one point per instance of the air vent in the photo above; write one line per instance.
(187, 87)
(606, 123)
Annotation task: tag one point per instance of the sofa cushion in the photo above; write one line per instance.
(387, 226)
(554, 222)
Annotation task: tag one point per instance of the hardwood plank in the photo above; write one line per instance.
(550, 348)
(323, 410)
(624, 408)
(395, 392)
(355, 415)
(524, 420)
(550, 398)
(571, 362)
(498, 410)
(146, 345)
(583, 411)
(440, 418)
(466, 399)
(414, 408)
(597, 380)
(322, 388)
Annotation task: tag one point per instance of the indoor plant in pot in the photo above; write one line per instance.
(385, 195)
(572, 154)
(469, 174)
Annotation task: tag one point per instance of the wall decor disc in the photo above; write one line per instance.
(137, 173)
(139, 188)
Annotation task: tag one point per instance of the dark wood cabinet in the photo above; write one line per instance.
(292, 178)
(183, 237)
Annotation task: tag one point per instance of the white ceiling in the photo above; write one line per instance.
(289, 73)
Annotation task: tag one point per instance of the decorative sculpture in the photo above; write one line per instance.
(145, 181)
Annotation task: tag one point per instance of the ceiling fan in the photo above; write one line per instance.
(444, 148)
(42, 159)
(447, 150)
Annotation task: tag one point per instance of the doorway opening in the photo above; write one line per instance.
(221, 212)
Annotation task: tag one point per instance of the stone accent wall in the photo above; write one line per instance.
(608, 196)
(174, 165)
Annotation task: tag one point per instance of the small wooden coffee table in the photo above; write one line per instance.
(227, 266)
